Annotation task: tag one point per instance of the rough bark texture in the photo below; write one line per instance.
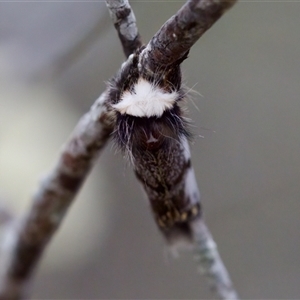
(125, 24)
(26, 240)
(53, 198)
(180, 32)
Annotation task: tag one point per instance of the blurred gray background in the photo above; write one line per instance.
(54, 60)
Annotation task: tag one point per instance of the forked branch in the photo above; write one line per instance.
(30, 235)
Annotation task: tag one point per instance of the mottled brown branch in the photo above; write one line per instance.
(125, 24)
(28, 238)
(54, 197)
(175, 38)
(166, 49)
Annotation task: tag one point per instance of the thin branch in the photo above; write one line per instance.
(175, 38)
(210, 262)
(57, 191)
(125, 24)
(157, 147)
(53, 198)
(168, 47)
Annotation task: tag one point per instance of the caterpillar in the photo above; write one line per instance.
(152, 130)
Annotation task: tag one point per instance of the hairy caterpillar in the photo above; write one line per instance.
(151, 129)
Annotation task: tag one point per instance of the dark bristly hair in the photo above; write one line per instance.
(157, 144)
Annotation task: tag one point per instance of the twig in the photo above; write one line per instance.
(166, 50)
(125, 24)
(29, 237)
(210, 262)
(153, 133)
(175, 38)
(53, 198)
